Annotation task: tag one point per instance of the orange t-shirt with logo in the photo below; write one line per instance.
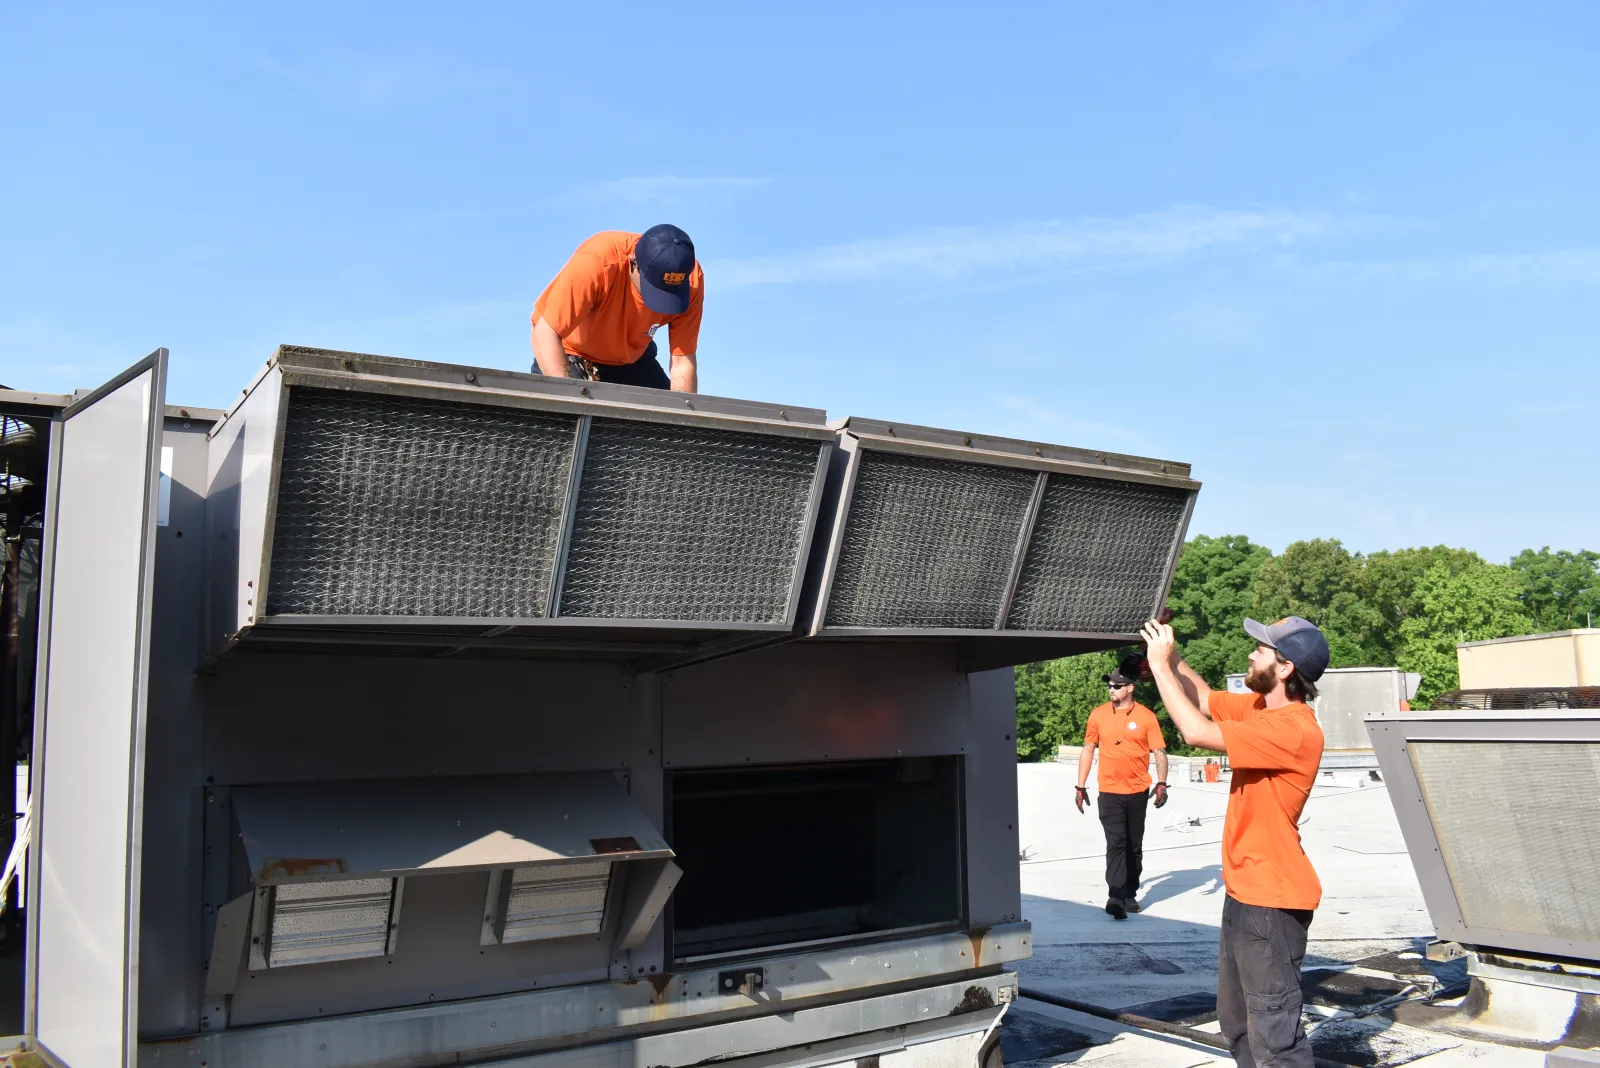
(1125, 740)
(1274, 754)
(593, 305)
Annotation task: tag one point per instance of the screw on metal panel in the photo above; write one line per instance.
(967, 442)
(688, 404)
(471, 376)
(250, 582)
(891, 431)
(783, 415)
(1038, 452)
(349, 365)
(584, 390)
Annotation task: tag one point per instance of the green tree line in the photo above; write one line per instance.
(1407, 608)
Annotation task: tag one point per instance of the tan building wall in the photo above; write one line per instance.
(1565, 658)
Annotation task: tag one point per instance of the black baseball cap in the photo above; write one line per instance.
(665, 256)
(1297, 640)
(1128, 670)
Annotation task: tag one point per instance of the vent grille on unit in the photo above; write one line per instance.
(1524, 866)
(1098, 555)
(684, 523)
(928, 543)
(398, 506)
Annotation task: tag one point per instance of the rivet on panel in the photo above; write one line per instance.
(472, 376)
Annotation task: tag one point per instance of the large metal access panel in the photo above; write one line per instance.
(993, 541)
(359, 498)
(83, 901)
(1498, 810)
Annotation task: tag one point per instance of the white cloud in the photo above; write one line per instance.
(1556, 267)
(662, 189)
(953, 252)
(1313, 36)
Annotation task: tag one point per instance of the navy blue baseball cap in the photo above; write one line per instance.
(665, 256)
(1297, 640)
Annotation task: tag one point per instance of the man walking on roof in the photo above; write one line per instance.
(598, 317)
(1274, 746)
(1125, 732)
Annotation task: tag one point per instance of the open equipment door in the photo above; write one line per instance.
(88, 753)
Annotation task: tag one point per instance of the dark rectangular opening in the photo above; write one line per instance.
(773, 856)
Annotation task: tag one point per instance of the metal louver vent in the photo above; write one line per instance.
(1098, 555)
(1516, 867)
(397, 506)
(690, 524)
(928, 543)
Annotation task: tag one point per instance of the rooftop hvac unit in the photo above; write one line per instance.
(935, 532)
(1497, 809)
(363, 498)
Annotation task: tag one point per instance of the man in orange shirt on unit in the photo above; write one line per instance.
(598, 318)
(1125, 732)
(1274, 746)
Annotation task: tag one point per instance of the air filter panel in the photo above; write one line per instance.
(928, 542)
(1098, 556)
(688, 523)
(1521, 856)
(400, 506)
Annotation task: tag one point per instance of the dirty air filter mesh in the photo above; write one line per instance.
(927, 543)
(684, 523)
(406, 507)
(1098, 555)
(1529, 866)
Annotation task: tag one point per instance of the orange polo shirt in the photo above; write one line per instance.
(1274, 754)
(600, 316)
(1125, 740)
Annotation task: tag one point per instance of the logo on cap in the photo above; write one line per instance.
(674, 278)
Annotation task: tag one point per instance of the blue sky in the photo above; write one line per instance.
(1344, 258)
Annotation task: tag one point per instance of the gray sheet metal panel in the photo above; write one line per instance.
(436, 957)
(596, 1012)
(994, 881)
(239, 476)
(89, 751)
(293, 718)
(492, 381)
(817, 701)
(647, 786)
(1010, 448)
(36, 773)
(951, 1009)
(1393, 735)
(170, 939)
(319, 831)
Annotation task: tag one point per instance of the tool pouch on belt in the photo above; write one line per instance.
(582, 368)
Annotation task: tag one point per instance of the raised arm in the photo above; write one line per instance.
(1182, 700)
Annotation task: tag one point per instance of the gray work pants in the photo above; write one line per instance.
(1258, 984)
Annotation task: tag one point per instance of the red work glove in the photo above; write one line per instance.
(1082, 798)
(1160, 793)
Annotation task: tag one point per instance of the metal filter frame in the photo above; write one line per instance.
(859, 437)
(1394, 735)
(241, 613)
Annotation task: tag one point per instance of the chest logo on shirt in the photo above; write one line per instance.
(1132, 726)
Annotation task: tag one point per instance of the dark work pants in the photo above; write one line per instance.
(645, 371)
(1122, 818)
(1258, 984)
